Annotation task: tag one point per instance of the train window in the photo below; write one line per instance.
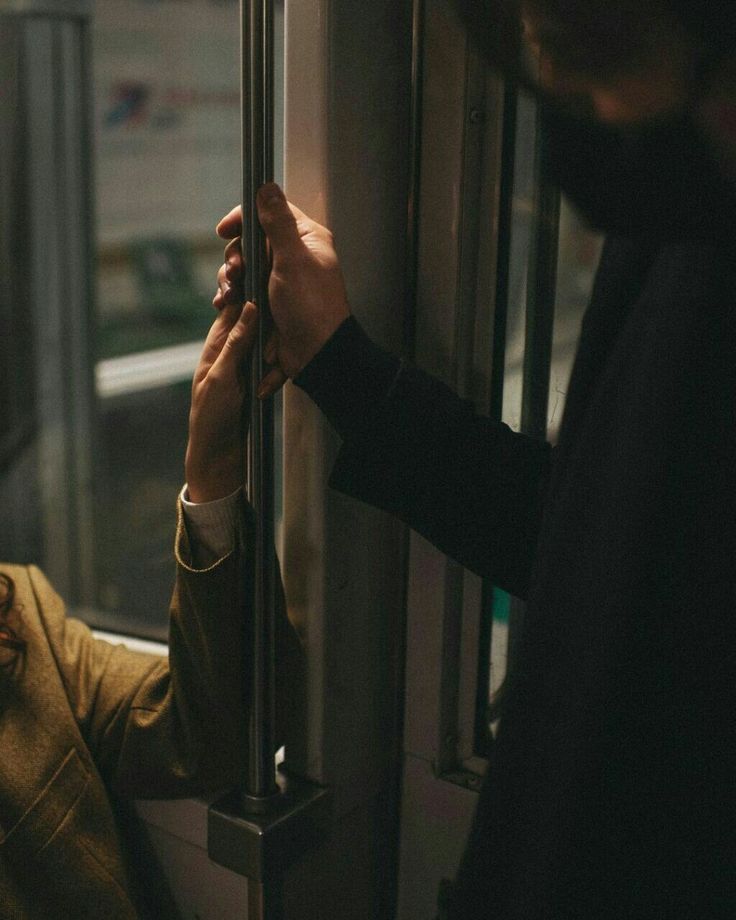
(166, 122)
(520, 229)
(167, 138)
(504, 272)
(102, 334)
(552, 296)
(579, 252)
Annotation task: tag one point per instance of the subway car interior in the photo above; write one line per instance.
(120, 149)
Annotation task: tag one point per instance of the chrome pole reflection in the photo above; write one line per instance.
(257, 75)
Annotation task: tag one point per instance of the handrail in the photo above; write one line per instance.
(257, 75)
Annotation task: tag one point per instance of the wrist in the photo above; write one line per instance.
(214, 480)
(203, 493)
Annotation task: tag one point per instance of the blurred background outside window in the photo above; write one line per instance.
(167, 167)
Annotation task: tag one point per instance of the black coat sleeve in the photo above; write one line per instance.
(412, 447)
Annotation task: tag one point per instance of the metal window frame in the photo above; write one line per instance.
(461, 193)
(461, 337)
(56, 203)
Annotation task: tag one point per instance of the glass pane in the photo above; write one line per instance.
(167, 142)
(577, 260)
(522, 225)
(167, 125)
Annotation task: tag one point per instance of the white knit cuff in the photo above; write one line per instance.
(211, 526)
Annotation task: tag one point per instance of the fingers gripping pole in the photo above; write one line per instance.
(257, 68)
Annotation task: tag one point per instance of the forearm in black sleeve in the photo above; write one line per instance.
(411, 446)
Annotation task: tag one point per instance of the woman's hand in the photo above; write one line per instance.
(306, 291)
(214, 464)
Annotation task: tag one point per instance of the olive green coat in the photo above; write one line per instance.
(84, 724)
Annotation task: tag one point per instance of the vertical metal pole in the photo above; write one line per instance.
(257, 68)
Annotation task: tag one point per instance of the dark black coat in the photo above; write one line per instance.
(612, 788)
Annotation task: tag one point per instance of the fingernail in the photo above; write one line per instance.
(262, 391)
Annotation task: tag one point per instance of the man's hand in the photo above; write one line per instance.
(214, 460)
(306, 291)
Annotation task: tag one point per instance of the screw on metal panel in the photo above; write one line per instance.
(477, 116)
